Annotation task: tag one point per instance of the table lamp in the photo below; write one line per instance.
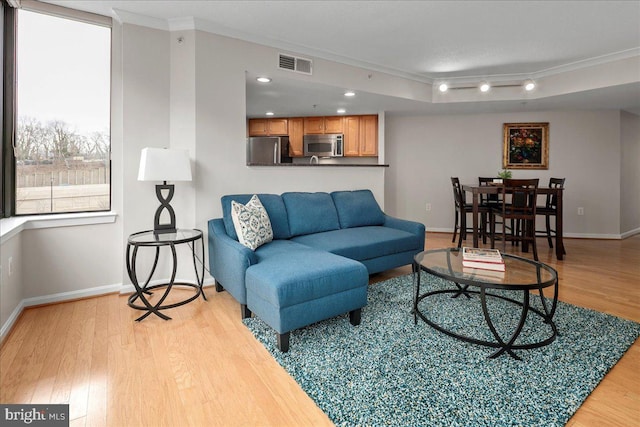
(164, 164)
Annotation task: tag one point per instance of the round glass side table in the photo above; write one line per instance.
(148, 239)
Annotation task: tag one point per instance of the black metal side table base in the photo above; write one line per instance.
(149, 239)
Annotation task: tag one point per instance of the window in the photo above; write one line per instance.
(61, 112)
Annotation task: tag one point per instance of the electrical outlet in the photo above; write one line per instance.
(580, 211)
(10, 265)
(428, 207)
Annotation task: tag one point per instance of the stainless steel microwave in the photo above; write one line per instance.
(325, 145)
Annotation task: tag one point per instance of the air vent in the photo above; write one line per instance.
(292, 63)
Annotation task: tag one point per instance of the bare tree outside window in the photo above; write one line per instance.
(62, 140)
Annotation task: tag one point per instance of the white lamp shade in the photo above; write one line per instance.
(164, 164)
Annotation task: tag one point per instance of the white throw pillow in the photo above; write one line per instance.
(252, 223)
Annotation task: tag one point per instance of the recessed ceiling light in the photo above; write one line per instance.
(530, 85)
(269, 113)
(341, 111)
(263, 79)
(484, 87)
(443, 87)
(349, 93)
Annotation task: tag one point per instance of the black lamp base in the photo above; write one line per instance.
(169, 227)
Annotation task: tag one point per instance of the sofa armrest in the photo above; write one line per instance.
(413, 227)
(229, 260)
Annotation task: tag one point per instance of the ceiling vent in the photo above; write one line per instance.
(292, 63)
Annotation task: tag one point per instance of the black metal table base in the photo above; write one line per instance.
(501, 344)
(143, 291)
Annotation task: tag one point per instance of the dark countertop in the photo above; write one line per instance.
(306, 165)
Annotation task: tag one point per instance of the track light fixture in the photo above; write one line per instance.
(485, 86)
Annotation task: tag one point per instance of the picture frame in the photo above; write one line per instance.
(525, 146)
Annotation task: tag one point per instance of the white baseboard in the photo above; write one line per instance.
(71, 295)
(439, 230)
(129, 289)
(4, 331)
(593, 236)
(567, 235)
(74, 295)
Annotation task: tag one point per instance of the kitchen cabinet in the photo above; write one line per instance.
(352, 136)
(361, 136)
(268, 127)
(296, 134)
(320, 125)
(334, 124)
(368, 136)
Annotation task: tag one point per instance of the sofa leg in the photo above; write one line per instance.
(283, 342)
(354, 317)
(244, 311)
(219, 287)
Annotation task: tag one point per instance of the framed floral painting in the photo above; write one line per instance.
(525, 146)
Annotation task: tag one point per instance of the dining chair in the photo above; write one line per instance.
(550, 209)
(462, 208)
(519, 205)
(488, 202)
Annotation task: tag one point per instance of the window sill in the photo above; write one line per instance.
(10, 227)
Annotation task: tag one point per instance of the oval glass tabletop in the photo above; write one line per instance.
(520, 273)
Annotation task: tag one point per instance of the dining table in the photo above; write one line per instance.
(476, 190)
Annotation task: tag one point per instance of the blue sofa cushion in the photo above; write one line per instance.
(310, 213)
(272, 203)
(362, 243)
(278, 248)
(303, 274)
(357, 208)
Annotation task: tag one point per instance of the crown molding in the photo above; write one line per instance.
(192, 23)
(182, 24)
(124, 17)
(587, 63)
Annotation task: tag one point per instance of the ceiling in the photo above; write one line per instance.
(425, 41)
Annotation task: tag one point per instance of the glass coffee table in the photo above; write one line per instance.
(521, 276)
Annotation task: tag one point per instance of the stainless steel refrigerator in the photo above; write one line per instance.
(267, 150)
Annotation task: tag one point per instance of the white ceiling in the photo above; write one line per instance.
(427, 41)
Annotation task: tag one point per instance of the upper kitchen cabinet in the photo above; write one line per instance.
(268, 127)
(296, 136)
(361, 136)
(319, 125)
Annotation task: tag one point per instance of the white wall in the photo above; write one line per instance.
(10, 286)
(67, 259)
(630, 173)
(425, 151)
(221, 130)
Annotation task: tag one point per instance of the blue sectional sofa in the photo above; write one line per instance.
(324, 247)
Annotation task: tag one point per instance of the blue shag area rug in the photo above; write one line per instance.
(390, 371)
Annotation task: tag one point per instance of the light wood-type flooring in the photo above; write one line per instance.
(204, 368)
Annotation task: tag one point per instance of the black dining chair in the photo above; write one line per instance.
(519, 205)
(462, 208)
(550, 209)
(487, 202)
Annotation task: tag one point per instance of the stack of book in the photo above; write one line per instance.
(486, 259)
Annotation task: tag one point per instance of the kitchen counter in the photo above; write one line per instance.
(307, 165)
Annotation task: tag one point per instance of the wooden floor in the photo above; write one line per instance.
(204, 368)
